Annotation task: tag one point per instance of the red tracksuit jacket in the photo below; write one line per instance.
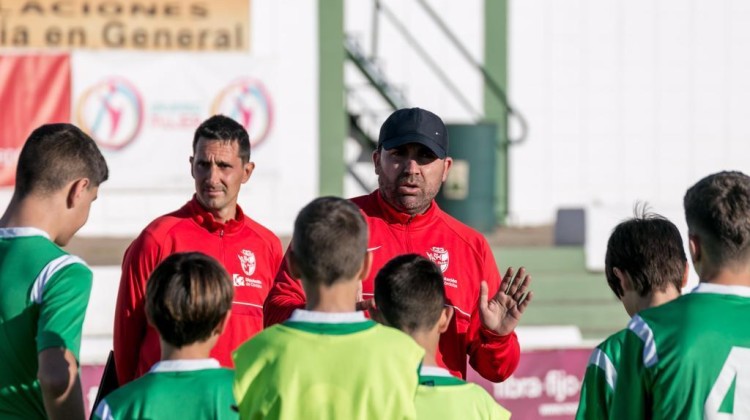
(250, 253)
(465, 258)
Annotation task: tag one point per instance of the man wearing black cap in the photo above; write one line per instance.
(411, 163)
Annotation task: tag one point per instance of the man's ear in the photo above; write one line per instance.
(247, 170)
(75, 190)
(291, 263)
(624, 277)
(192, 159)
(376, 161)
(445, 318)
(366, 266)
(447, 164)
(685, 275)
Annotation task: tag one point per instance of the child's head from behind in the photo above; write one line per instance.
(410, 295)
(188, 297)
(329, 244)
(645, 256)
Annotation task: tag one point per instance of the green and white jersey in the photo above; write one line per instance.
(442, 396)
(44, 292)
(688, 359)
(174, 389)
(327, 366)
(599, 381)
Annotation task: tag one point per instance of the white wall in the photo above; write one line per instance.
(627, 100)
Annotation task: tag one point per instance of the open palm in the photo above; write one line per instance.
(502, 313)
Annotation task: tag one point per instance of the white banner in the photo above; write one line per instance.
(143, 109)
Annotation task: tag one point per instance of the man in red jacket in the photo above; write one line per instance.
(411, 163)
(213, 224)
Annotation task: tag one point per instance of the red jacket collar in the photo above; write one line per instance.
(393, 216)
(206, 220)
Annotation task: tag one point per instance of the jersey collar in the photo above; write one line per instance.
(437, 376)
(393, 216)
(315, 317)
(722, 289)
(184, 365)
(19, 232)
(206, 220)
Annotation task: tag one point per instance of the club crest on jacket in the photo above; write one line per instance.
(440, 257)
(247, 260)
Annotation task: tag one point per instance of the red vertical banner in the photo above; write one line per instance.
(34, 90)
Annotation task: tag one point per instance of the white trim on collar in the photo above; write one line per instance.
(18, 232)
(184, 365)
(434, 371)
(722, 289)
(301, 315)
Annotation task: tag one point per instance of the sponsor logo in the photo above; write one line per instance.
(239, 280)
(111, 112)
(247, 102)
(247, 261)
(448, 282)
(440, 257)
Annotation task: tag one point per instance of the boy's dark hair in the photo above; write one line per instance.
(329, 240)
(56, 154)
(649, 248)
(222, 128)
(717, 209)
(187, 295)
(409, 292)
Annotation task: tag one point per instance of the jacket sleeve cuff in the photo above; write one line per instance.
(489, 336)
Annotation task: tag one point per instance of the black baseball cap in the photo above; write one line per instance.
(414, 125)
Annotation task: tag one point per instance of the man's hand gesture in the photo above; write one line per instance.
(502, 313)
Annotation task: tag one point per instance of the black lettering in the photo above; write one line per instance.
(143, 9)
(140, 38)
(171, 10)
(76, 37)
(162, 38)
(110, 9)
(20, 36)
(198, 10)
(32, 6)
(112, 34)
(202, 35)
(223, 40)
(53, 36)
(62, 8)
(184, 39)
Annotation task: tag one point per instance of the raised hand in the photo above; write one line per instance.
(502, 313)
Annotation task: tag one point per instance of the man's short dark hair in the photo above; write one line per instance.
(187, 295)
(56, 154)
(649, 248)
(329, 240)
(222, 128)
(409, 293)
(717, 209)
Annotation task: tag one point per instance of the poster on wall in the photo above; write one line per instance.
(142, 109)
(34, 90)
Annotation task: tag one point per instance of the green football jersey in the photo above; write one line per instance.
(688, 359)
(174, 389)
(327, 366)
(599, 381)
(442, 396)
(44, 292)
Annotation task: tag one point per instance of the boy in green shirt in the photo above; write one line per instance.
(410, 296)
(188, 301)
(328, 361)
(44, 290)
(645, 266)
(690, 358)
